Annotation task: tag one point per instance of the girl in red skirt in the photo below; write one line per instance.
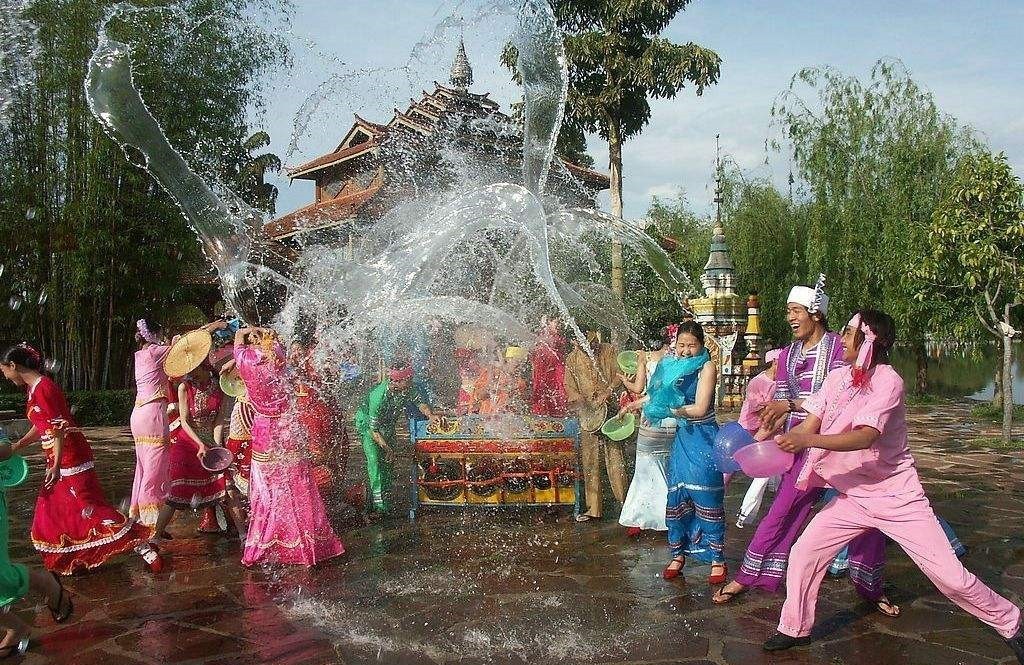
(73, 528)
(190, 486)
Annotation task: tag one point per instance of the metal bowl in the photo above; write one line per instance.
(445, 470)
(480, 471)
(217, 460)
(517, 485)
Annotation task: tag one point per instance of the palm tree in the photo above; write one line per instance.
(252, 170)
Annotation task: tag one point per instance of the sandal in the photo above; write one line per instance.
(720, 578)
(59, 614)
(17, 649)
(887, 607)
(671, 573)
(722, 596)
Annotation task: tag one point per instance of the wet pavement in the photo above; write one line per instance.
(521, 586)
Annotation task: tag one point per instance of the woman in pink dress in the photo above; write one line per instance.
(287, 520)
(149, 423)
(73, 527)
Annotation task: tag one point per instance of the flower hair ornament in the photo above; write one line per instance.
(31, 351)
(145, 333)
(866, 353)
(267, 339)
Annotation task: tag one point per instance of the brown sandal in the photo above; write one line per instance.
(722, 596)
(893, 610)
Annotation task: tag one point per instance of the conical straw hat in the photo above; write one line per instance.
(188, 353)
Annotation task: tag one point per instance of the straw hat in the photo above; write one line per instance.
(516, 352)
(188, 353)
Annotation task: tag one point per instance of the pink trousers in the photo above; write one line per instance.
(909, 520)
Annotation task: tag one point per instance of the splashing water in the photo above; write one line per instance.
(477, 251)
(426, 257)
(17, 49)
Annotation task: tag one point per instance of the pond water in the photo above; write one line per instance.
(964, 371)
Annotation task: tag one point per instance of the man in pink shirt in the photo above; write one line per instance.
(856, 436)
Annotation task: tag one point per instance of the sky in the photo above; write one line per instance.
(966, 53)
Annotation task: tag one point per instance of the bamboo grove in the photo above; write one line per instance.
(92, 243)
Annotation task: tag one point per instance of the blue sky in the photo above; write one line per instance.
(966, 53)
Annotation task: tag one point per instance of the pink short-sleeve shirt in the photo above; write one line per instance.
(759, 392)
(887, 467)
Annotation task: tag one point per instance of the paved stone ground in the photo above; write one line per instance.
(529, 586)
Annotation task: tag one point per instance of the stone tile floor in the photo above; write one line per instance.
(524, 586)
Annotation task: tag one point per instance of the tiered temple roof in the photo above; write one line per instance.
(374, 166)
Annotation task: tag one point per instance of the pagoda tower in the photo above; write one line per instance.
(722, 312)
(752, 336)
(461, 76)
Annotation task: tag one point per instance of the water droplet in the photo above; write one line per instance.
(2, 267)
(43, 297)
(15, 302)
(136, 157)
(195, 501)
(87, 512)
(30, 213)
(52, 365)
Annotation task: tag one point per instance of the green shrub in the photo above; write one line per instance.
(988, 412)
(926, 399)
(997, 443)
(91, 407)
(12, 402)
(102, 407)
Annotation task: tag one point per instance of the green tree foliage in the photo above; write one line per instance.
(765, 231)
(686, 237)
(92, 242)
(247, 173)
(975, 252)
(874, 159)
(618, 62)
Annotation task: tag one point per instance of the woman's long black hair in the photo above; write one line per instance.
(25, 356)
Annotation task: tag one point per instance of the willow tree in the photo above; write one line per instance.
(975, 253)
(765, 230)
(873, 159)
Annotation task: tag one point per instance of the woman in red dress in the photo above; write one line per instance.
(73, 528)
(548, 360)
(314, 417)
(190, 486)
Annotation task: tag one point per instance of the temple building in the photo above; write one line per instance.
(446, 137)
(732, 319)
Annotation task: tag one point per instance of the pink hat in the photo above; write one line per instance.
(400, 373)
